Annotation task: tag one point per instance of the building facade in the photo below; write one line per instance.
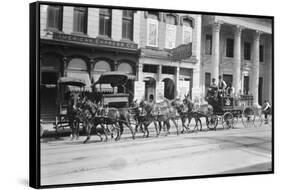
(84, 42)
(161, 32)
(240, 50)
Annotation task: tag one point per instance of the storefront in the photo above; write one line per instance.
(83, 58)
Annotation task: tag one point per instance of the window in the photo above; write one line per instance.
(105, 22)
(187, 31)
(150, 68)
(49, 78)
(168, 70)
(127, 24)
(208, 45)
(80, 20)
(152, 32)
(247, 51)
(229, 47)
(171, 30)
(54, 17)
(261, 53)
(246, 85)
(207, 80)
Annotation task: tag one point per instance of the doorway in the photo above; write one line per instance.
(260, 90)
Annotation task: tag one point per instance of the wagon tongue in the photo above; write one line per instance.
(113, 78)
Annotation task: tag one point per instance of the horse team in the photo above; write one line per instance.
(109, 121)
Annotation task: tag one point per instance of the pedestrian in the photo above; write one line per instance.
(266, 109)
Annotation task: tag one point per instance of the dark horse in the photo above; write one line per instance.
(73, 115)
(91, 119)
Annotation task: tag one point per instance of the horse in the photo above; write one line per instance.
(197, 111)
(182, 111)
(143, 120)
(73, 115)
(116, 116)
(161, 112)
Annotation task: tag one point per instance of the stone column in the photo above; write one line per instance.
(177, 81)
(159, 73)
(216, 50)
(140, 72)
(255, 69)
(65, 65)
(237, 60)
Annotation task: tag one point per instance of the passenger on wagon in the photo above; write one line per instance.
(230, 90)
(222, 86)
(213, 88)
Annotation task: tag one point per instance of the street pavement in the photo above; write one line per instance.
(191, 154)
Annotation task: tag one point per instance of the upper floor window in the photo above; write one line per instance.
(208, 44)
(229, 47)
(186, 31)
(247, 50)
(261, 53)
(54, 17)
(171, 30)
(80, 20)
(105, 22)
(127, 24)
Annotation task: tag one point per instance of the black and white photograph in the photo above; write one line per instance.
(135, 94)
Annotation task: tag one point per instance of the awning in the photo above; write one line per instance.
(114, 78)
(71, 81)
(104, 88)
(84, 76)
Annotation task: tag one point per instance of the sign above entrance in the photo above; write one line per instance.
(182, 52)
(94, 41)
(139, 89)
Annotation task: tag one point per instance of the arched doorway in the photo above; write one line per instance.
(99, 68)
(150, 88)
(77, 68)
(169, 88)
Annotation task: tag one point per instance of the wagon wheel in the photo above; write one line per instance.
(212, 122)
(228, 120)
(248, 117)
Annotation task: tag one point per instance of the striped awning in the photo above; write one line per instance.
(79, 75)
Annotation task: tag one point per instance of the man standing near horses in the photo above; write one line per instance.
(266, 108)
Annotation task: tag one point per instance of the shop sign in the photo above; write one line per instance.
(94, 41)
(139, 89)
(182, 52)
(159, 91)
(183, 88)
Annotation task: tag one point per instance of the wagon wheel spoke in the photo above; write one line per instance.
(248, 117)
(228, 120)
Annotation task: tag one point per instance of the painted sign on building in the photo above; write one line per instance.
(159, 91)
(139, 89)
(182, 88)
(182, 52)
